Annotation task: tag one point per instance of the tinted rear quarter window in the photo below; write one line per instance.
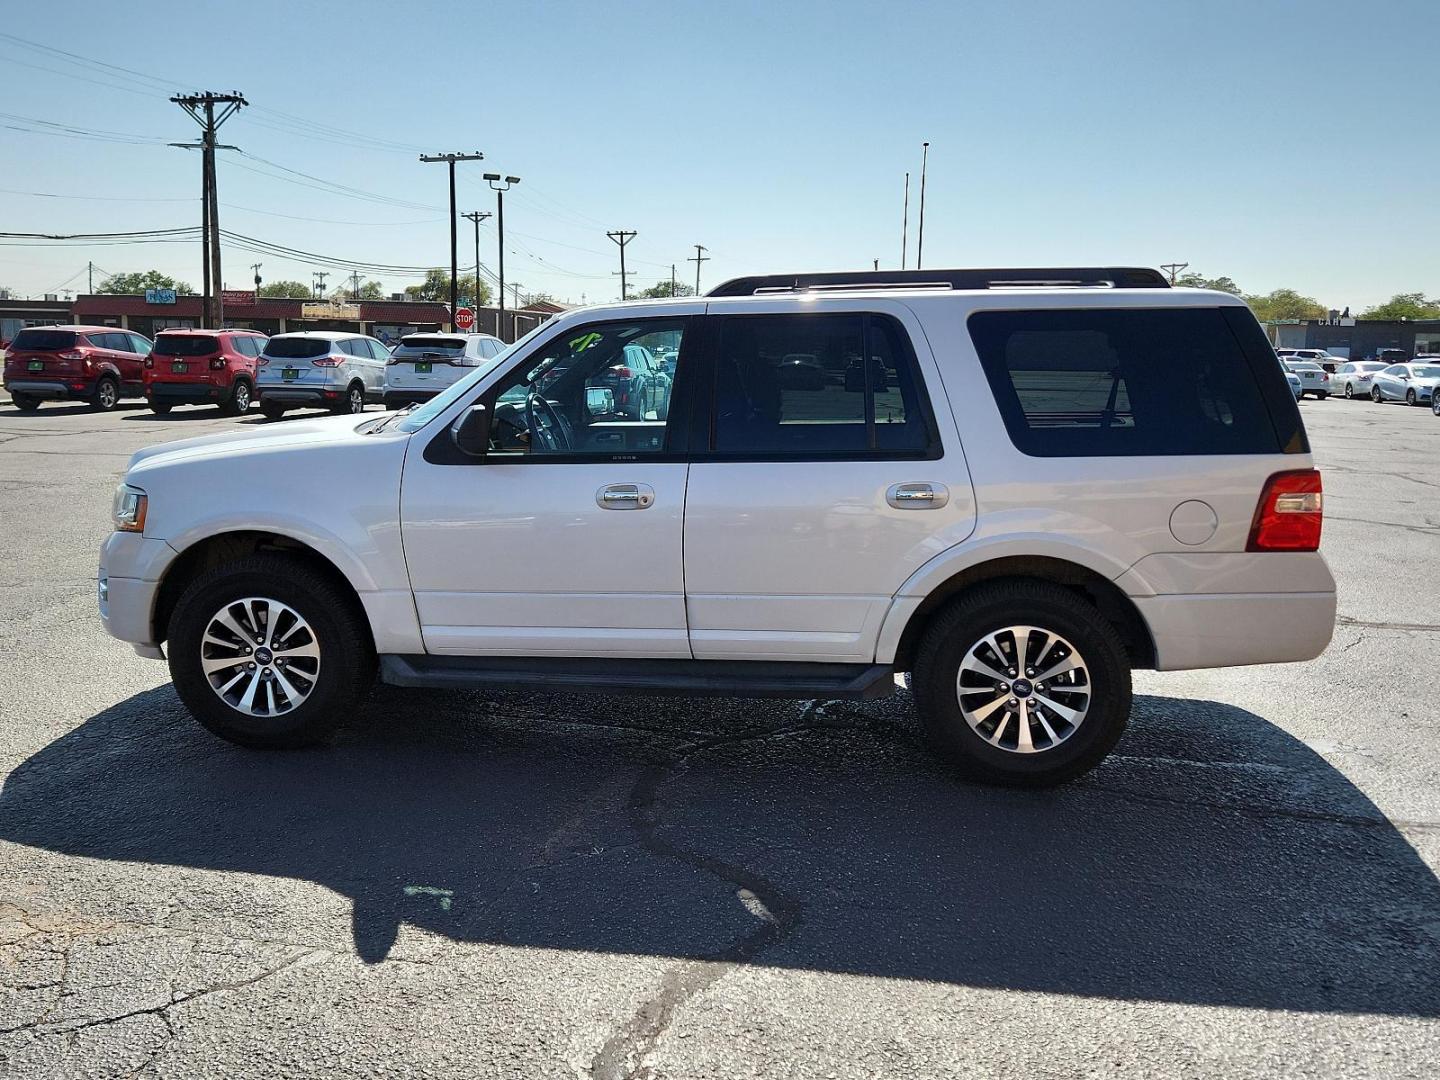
(296, 348)
(1133, 382)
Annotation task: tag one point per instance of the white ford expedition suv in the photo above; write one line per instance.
(1016, 485)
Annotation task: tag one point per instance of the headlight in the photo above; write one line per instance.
(129, 509)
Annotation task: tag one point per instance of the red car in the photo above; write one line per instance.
(203, 367)
(98, 364)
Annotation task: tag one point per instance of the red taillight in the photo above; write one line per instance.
(622, 372)
(149, 361)
(1325, 377)
(73, 354)
(217, 363)
(264, 361)
(327, 361)
(1290, 513)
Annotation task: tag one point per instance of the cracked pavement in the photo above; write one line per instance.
(575, 886)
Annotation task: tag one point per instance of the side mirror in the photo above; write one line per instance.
(471, 431)
(599, 400)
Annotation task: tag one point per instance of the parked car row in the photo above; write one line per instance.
(232, 369)
(1414, 382)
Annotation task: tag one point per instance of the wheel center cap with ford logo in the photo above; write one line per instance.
(263, 655)
(1021, 688)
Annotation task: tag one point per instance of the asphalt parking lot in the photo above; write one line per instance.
(553, 886)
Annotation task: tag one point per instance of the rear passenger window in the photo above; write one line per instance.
(798, 386)
(1112, 382)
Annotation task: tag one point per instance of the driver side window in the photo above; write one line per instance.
(594, 391)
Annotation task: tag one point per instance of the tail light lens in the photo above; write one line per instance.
(263, 361)
(149, 361)
(73, 354)
(217, 363)
(622, 372)
(327, 361)
(1290, 513)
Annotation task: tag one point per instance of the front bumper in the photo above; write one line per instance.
(128, 582)
(72, 389)
(185, 393)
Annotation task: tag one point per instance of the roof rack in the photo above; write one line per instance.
(1094, 277)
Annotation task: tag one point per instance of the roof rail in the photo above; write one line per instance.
(1108, 277)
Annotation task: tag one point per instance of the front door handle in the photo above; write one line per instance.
(625, 497)
(917, 496)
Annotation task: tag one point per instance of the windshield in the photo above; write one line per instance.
(185, 345)
(43, 339)
(1427, 371)
(296, 348)
(417, 346)
(417, 419)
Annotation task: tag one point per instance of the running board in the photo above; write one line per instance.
(720, 678)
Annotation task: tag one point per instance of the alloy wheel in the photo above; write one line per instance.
(357, 399)
(106, 394)
(1023, 689)
(260, 657)
(242, 398)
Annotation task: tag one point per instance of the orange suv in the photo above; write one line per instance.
(203, 367)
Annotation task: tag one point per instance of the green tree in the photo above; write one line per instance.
(1405, 306)
(663, 289)
(437, 287)
(1193, 280)
(369, 290)
(138, 281)
(1285, 304)
(287, 290)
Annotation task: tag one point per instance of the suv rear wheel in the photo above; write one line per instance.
(267, 653)
(1022, 683)
(273, 410)
(25, 402)
(238, 403)
(107, 394)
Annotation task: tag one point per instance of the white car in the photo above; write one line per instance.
(326, 369)
(1053, 483)
(1354, 377)
(424, 364)
(1313, 378)
(1412, 383)
(1317, 356)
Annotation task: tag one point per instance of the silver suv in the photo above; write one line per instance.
(328, 369)
(1015, 485)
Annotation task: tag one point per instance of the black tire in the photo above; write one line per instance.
(1410, 397)
(1435, 403)
(353, 403)
(1376, 396)
(1349, 391)
(985, 610)
(1322, 394)
(25, 402)
(161, 408)
(347, 655)
(238, 403)
(106, 395)
(272, 410)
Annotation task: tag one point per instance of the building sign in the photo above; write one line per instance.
(238, 297)
(330, 309)
(159, 296)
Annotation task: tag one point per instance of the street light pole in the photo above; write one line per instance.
(501, 184)
(920, 242)
(451, 159)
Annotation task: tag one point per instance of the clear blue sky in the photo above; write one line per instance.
(1288, 144)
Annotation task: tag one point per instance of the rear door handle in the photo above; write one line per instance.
(917, 496)
(625, 497)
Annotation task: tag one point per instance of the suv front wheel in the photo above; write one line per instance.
(267, 653)
(1022, 683)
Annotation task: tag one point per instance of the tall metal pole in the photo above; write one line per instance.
(450, 160)
(672, 279)
(920, 243)
(205, 241)
(216, 282)
(501, 184)
(905, 224)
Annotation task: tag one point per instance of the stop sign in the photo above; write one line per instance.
(464, 318)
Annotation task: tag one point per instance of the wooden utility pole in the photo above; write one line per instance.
(1173, 269)
(477, 216)
(202, 109)
(451, 159)
(698, 258)
(622, 237)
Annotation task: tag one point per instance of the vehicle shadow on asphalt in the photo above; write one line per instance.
(1213, 860)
